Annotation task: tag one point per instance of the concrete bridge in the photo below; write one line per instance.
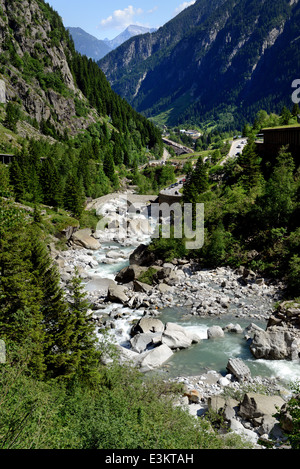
(177, 147)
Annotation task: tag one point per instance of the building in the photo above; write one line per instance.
(6, 159)
(191, 133)
(273, 139)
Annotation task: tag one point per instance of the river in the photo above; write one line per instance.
(208, 354)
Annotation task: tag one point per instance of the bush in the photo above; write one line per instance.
(294, 276)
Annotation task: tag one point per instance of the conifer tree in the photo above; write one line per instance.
(82, 339)
(197, 182)
(296, 110)
(20, 297)
(250, 164)
(108, 166)
(17, 179)
(73, 195)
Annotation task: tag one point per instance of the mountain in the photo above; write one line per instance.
(130, 31)
(54, 90)
(88, 45)
(217, 61)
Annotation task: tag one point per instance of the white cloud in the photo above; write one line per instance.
(184, 5)
(120, 19)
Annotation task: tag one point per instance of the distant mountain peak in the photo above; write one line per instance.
(88, 45)
(131, 31)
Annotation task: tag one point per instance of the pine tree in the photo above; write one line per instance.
(197, 182)
(12, 116)
(285, 116)
(73, 198)
(20, 297)
(17, 179)
(51, 183)
(250, 164)
(108, 166)
(278, 201)
(82, 356)
(296, 110)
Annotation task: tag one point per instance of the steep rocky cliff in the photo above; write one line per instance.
(35, 66)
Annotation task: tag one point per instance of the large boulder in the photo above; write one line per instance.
(145, 325)
(214, 332)
(129, 274)
(116, 294)
(84, 239)
(239, 369)
(276, 343)
(142, 256)
(141, 342)
(255, 406)
(177, 337)
(281, 339)
(155, 358)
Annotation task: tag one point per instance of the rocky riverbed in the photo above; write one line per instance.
(132, 312)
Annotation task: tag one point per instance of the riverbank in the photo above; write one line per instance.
(213, 313)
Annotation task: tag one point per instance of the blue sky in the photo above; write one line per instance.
(107, 19)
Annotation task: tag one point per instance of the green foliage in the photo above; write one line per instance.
(113, 412)
(147, 277)
(294, 276)
(13, 115)
(293, 409)
(58, 329)
(251, 214)
(197, 182)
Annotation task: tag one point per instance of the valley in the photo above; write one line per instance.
(124, 326)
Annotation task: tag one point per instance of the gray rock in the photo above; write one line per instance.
(255, 405)
(276, 343)
(142, 256)
(164, 289)
(233, 328)
(2, 92)
(145, 325)
(237, 367)
(155, 358)
(141, 287)
(175, 337)
(129, 274)
(116, 294)
(83, 238)
(215, 332)
(141, 342)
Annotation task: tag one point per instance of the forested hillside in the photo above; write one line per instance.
(217, 62)
(252, 212)
(71, 134)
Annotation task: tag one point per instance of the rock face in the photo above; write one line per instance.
(2, 92)
(281, 339)
(28, 28)
(179, 60)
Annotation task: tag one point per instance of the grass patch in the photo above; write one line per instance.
(147, 277)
